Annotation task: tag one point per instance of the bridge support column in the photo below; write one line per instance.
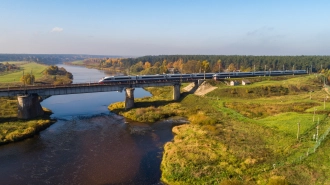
(129, 100)
(176, 91)
(29, 106)
(200, 82)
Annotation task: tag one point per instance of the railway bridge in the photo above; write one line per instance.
(29, 96)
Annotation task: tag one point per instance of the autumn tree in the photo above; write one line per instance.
(163, 68)
(28, 79)
(157, 65)
(231, 67)
(219, 64)
(147, 65)
(191, 66)
(178, 65)
(205, 65)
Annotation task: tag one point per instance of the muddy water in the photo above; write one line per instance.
(87, 145)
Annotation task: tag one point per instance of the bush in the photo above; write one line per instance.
(277, 180)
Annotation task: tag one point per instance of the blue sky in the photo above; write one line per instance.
(157, 27)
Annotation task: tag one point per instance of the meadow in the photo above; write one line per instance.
(14, 77)
(245, 134)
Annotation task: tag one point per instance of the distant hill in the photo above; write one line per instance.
(50, 58)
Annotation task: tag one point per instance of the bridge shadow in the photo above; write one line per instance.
(158, 103)
(8, 119)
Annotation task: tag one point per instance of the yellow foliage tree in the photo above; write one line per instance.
(28, 79)
(231, 67)
(147, 65)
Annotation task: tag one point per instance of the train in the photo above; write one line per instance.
(217, 76)
(195, 76)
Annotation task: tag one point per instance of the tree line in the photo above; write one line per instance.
(48, 58)
(192, 63)
(6, 67)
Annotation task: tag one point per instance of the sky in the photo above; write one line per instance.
(165, 27)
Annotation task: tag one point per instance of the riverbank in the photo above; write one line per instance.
(245, 134)
(13, 129)
(95, 65)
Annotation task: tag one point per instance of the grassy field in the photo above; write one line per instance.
(245, 134)
(15, 62)
(77, 62)
(35, 68)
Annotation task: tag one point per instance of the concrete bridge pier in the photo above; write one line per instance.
(129, 99)
(176, 91)
(29, 106)
(200, 82)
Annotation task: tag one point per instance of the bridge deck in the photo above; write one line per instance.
(49, 90)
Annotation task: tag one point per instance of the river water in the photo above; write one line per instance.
(88, 144)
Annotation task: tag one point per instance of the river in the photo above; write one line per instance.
(88, 144)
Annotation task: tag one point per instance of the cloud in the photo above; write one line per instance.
(57, 29)
(265, 30)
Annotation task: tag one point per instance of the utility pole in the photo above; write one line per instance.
(298, 130)
(317, 132)
(307, 70)
(293, 70)
(204, 74)
(24, 81)
(31, 80)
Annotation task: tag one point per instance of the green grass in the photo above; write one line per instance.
(77, 62)
(288, 122)
(15, 62)
(35, 68)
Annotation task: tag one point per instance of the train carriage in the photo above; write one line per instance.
(144, 78)
(202, 75)
(179, 76)
(117, 79)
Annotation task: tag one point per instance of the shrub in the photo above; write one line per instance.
(277, 180)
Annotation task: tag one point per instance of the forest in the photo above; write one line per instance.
(191, 63)
(208, 63)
